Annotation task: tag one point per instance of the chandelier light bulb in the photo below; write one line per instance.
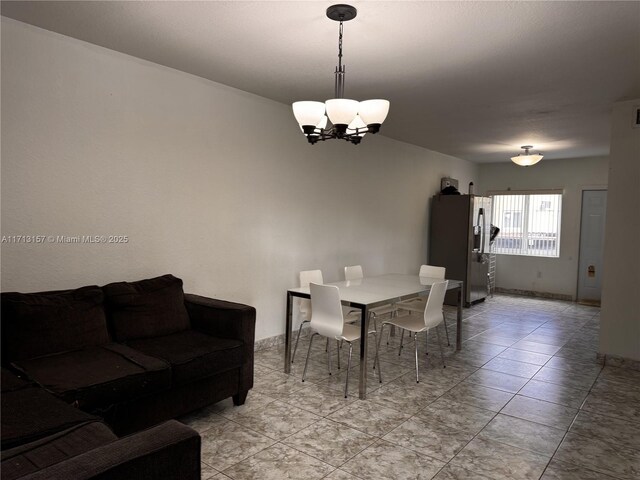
(341, 111)
(374, 112)
(308, 113)
(357, 126)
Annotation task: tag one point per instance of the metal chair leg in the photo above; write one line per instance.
(440, 345)
(426, 342)
(329, 355)
(401, 341)
(346, 387)
(339, 343)
(377, 359)
(304, 373)
(378, 351)
(446, 330)
(415, 341)
(392, 328)
(295, 349)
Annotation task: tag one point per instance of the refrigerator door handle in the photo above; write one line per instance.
(482, 227)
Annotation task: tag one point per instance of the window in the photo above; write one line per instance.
(529, 223)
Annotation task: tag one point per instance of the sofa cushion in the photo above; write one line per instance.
(10, 382)
(193, 355)
(36, 324)
(96, 377)
(32, 413)
(54, 449)
(148, 308)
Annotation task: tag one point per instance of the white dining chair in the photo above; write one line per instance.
(306, 277)
(418, 304)
(354, 272)
(416, 323)
(327, 320)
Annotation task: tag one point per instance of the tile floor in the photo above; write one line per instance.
(525, 399)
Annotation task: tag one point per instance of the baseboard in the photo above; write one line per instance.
(277, 339)
(617, 361)
(531, 293)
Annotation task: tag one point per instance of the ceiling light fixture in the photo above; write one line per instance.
(527, 159)
(351, 119)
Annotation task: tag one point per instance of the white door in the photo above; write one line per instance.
(594, 208)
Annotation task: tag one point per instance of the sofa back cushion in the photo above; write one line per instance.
(37, 324)
(148, 308)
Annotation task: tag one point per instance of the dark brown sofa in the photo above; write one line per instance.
(129, 354)
(45, 438)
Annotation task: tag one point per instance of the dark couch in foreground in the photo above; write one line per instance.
(45, 438)
(130, 355)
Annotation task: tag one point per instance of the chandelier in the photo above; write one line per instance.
(350, 120)
(527, 159)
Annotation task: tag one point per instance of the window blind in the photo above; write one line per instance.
(529, 223)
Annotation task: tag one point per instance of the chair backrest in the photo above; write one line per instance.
(432, 271)
(306, 277)
(435, 301)
(326, 317)
(353, 272)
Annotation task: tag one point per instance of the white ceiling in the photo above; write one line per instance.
(471, 79)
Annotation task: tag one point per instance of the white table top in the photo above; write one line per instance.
(374, 290)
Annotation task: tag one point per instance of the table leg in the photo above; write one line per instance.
(459, 320)
(287, 334)
(364, 342)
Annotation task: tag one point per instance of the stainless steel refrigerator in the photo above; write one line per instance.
(459, 241)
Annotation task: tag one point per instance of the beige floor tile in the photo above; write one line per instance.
(278, 462)
(524, 356)
(497, 380)
(477, 395)
(435, 439)
(512, 367)
(615, 431)
(457, 416)
(369, 417)
(329, 441)
(277, 420)
(453, 472)
(567, 471)
(572, 379)
(228, 443)
(386, 461)
(550, 392)
(539, 411)
(500, 461)
(524, 434)
(595, 454)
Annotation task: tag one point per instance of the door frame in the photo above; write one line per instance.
(584, 188)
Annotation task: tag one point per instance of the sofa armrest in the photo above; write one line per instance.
(219, 318)
(169, 451)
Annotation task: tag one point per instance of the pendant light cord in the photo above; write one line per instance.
(340, 47)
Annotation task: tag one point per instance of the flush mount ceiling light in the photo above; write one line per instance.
(351, 120)
(527, 159)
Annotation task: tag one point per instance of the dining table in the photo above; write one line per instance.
(365, 294)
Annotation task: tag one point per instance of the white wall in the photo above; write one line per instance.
(620, 317)
(547, 275)
(212, 184)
